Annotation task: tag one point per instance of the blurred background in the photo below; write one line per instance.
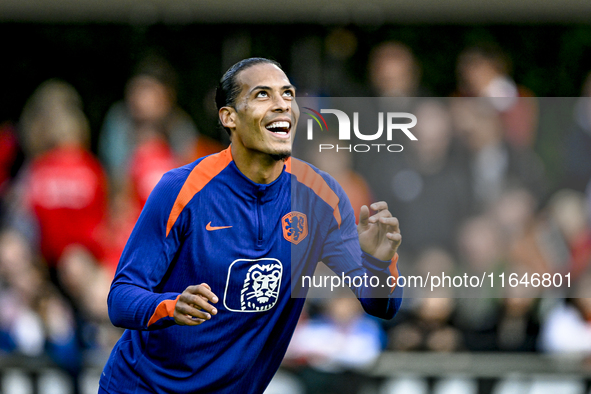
(99, 99)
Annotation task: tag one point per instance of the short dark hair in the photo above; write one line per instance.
(228, 89)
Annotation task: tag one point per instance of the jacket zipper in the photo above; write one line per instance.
(259, 219)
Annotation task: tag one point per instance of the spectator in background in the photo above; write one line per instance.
(429, 193)
(514, 211)
(394, 79)
(483, 71)
(11, 159)
(394, 76)
(143, 137)
(518, 324)
(334, 344)
(577, 171)
(568, 212)
(86, 282)
(428, 328)
(494, 165)
(558, 240)
(36, 121)
(9, 154)
(567, 327)
(64, 187)
(148, 162)
(34, 318)
(428, 324)
(481, 250)
(149, 111)
(394, 71)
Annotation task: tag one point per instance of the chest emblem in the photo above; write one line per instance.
(295, 227)
(253, 285)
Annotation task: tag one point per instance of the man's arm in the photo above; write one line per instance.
(368, 250)
(379, 234)
(379, 238)
(135, 300)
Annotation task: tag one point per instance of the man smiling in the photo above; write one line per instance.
(245, 223)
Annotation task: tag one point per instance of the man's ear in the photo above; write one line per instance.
(228, 117)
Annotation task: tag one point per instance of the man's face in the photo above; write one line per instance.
(266, 114)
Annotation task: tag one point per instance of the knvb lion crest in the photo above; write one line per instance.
(295, 227)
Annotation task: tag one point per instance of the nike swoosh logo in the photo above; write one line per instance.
(209, 227)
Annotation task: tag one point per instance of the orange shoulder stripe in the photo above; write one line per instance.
(164, 309)
(306, 175)
(203, 172)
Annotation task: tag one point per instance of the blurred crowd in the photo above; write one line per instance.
(471, 196)
(66, 214)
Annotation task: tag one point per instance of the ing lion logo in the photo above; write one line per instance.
(261, 287)
(253, 285)
(295, 227)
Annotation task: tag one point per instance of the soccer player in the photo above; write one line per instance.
(204, 285)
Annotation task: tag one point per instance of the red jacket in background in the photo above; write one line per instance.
(149, 161)
(67, 191)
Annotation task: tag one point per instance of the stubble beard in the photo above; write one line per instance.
(280, 156)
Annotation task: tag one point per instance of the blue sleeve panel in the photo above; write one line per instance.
(342, 254)
(135, 292)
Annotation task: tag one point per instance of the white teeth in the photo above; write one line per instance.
(279, 125)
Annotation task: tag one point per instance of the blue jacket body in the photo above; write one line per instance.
(208, 223)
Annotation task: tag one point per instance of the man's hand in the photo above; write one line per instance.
(379, 235)
(193, 307)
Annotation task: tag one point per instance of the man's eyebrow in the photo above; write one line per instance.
(261, 87)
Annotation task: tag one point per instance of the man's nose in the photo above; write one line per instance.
(281, 105)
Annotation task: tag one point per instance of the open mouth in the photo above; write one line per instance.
(280, 128)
